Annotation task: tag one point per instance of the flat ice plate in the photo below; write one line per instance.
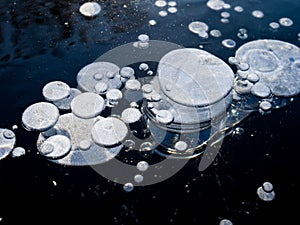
(86, 76)
(276, 62)
(6, 144)
(194, 77)
(78, 130)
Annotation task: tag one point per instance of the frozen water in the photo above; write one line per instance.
(55, 147)
(274, 25)
(164, 116)
(114, 95)
(172, 3)
(128, 187)
(260, 90)
(90, 9)
(109, 131)
(228, 43)
(252, 77)
(104, 70)
(225, 14)
(265, 105)
(162, 13)
(146, 146)
(287, 22)
(127, 72)
(133, 85)
(280, 74)
(40, 116)
(56, 90)
(181, 146)
(7, 142)
(238, 9)
(87, 105)
(160, 3)
(189, 80)
(215, 4)
(79, 131)
(215, 33)
(203, 34)
(172, 10)
(224, 20)
(143, 38)
(85, 144)
(143, 66)
(152, 22)
(258, 14)
(197, 26)
(65, 104)
(264, 195)
(138, 178)
(131, 115)
(17, 152)
(142, 166)
(225, 222)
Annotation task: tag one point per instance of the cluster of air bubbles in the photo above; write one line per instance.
(171, 7)
(76, 137)
(284, 21)
(141, 166)
(199, 28)
(143, 66)
(265, 107)
(255, 61)
(75, 124)
(242, 33)
(225, 17)
(225, 14)
(129, 144)
(238, 132)
(258, 14)
(90, 9)
(92, 123)
(266, 192)
(143, 41)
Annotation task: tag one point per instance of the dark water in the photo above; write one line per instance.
(41, 41)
